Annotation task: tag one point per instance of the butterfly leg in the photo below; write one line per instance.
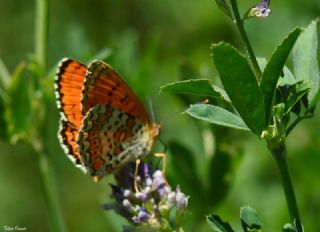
(135, 185)
(163, 156)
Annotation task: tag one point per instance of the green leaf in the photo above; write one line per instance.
(222, 93)
(296, 92)
(314, 101)
(288, 78)
(222, 4)
(18, 114)
(249, 219)
(4, 75)
(201, 87)
(305, 61)
(273, 70)
(216, 115)
(241, 86)
(218, 225)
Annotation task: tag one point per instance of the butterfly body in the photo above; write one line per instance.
(103, 124)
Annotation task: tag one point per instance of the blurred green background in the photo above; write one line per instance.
(152, 43)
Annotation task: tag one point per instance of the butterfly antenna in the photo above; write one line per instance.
(179, 112)
(171, 115)
(151, 111)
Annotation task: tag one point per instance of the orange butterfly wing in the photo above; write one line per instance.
(68, 89)
(110, 138)
(103, 85)
(116, 127)
(103, 123)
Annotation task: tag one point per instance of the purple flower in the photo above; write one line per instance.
(150, 206)
(181, 199)
(261, 10)
(143, 216)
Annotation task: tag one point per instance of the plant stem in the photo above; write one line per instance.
(48, 185)
(41, 33)
(50, 192)
(243, 34)
(55, 218)
(280, 156)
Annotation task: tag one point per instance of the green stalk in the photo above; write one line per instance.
(280, 156)
(41, 33)
(48, 184)
(243, 34)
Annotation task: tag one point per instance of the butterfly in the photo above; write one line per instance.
(103, 123)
